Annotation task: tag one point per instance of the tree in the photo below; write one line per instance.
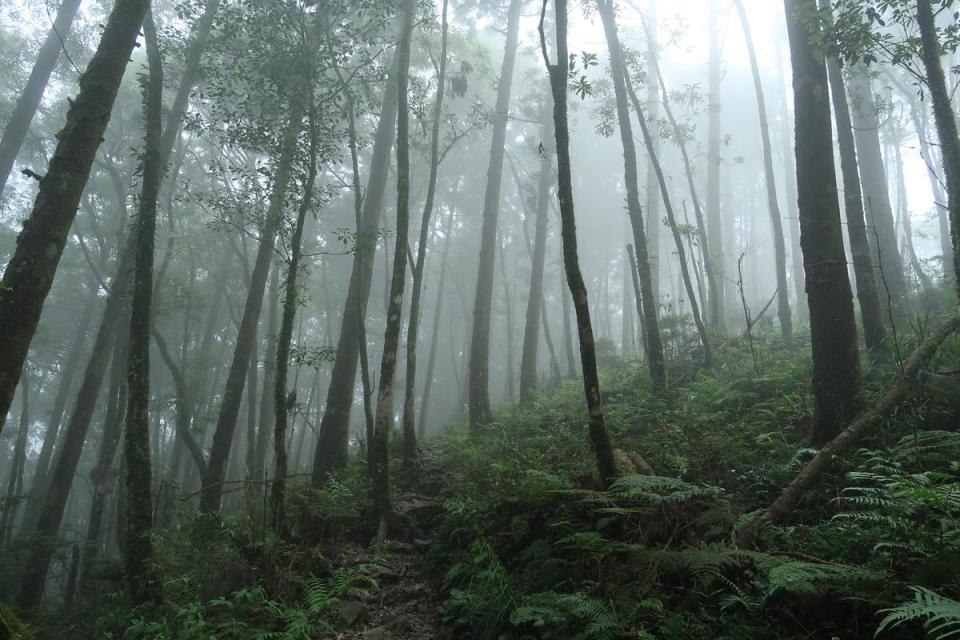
(945, 119)
(836, 368)
(649, 320)
(773, 205)
(714, 160)
(379, 448)
(136, 441)
(15, 131)
(30, 272)
(559, 74)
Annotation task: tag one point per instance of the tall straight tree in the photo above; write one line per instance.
(15, 131)
(136, 442)
(773, 205)
(559, 74)
(29, 274)
(413, 325)
(479, 367)
(334, 436)
(867, 294)
(836, 367)
(653, 343)
(714, 160)
(945, 119)
(382, 505)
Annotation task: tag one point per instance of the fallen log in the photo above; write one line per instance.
(854, 433)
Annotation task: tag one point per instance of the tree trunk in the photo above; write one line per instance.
(332, 443)
(379, 451)
(15, 482)
(867, 295)
(136, 441)
(567, 332)
(184, 405)
(836, 369)
(30, 272)
(654, 223)
(413, 325)
(571, 262)
(714, 159)
(649, 297)
(15, 132)
(903, 210)
(479, 364)
(946, 122)
(266, 418)
(247, 333)
(531, 332)
(773, 205)
(434, 338)
(873, 177)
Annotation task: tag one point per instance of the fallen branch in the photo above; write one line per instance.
(850, 436)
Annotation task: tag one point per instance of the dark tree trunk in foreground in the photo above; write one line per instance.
(281, 403)
(653, 345)
(867, 294)
(15, 132)
(946, 122)
(479, 363)
(332, 443)
(29, 274)
(571, 262)
(379, 448)
(247, 333)
(136, 441)
(773, 206)
(531, 331)
(836, 368)
(413, 325)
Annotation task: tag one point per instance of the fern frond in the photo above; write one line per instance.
(940, 615)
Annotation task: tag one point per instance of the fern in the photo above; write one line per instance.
(941, 616)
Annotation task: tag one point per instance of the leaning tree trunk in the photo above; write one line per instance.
(379, 448)
(867, 294)
(247, 333)
(531, 332)
(773, 206)
(281, 403)
(15, 132)
(653, 344)
(136, 442)
(946, 122)
(836, 368)
(479, 364)
(333, 440)
(413, 325)
(29, 274)
(571, 261)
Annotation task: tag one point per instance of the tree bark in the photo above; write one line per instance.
(434, 339)
(649, 297)
(714, 159)
(266, 417)
(30, 272)
(571, 262)
(479, 411)
(15, 482)
(17, 127)
(836, 368)
(773, 205)
(946, 122)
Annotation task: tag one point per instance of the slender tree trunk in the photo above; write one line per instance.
(873, 177)
(654, 223)
(836, 369)
(479, 364)
(578, 290)
(184, 405)
(136, 441)
(380, 482)
(535, 307)
(773, 205)
(790, 182)
(15, 482)
(714, 159)
(508, 324)
(413, 325)
(649, 297)
(266, 417)
(434, 338)
(17, 127)
(904, 213)
(246, 335)
(867, 294)
(29, 274)
(946, 121)
(332, 443)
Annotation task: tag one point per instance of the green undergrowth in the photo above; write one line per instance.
(529, 546)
